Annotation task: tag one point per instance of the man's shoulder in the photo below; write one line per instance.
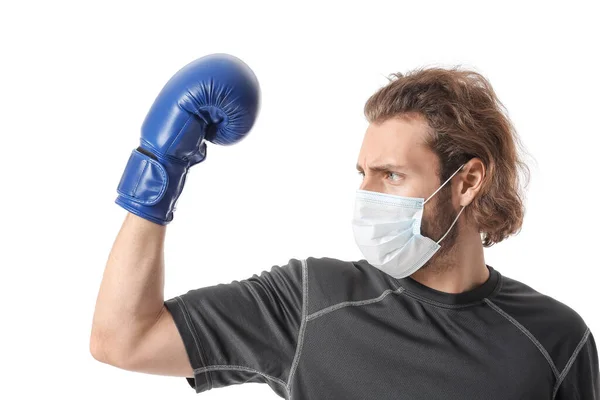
(523, 299)
(555, 325)
(332, 281)
(345, 272)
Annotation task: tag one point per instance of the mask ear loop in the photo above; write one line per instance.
(449, 229)
(461, 210)
(451, 176)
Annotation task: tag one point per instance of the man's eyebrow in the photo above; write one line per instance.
(384, 167)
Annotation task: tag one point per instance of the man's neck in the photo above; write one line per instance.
(460, 270)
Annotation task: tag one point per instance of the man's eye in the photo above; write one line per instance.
(394, 173)
(360, 173)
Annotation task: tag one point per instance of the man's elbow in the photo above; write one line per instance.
(104, 352)
(98, 351)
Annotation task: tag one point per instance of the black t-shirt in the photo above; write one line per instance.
(323, 328)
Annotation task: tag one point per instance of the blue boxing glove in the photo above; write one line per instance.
(215, 98)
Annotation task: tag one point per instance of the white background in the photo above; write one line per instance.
(77, 80)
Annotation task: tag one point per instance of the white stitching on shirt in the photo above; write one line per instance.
(527, 333)
(238, 368)
(302, 329)
(192, 329)
(334, 307)
(565, 370)
(285, 385)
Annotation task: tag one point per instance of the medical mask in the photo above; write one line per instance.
(387, 229)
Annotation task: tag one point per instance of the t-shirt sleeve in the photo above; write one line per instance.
(582, 379)
(243, 331)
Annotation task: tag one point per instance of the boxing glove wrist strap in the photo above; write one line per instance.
(144, 180)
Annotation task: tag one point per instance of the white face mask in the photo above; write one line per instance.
(387, 229)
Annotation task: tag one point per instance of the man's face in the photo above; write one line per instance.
(395, 160)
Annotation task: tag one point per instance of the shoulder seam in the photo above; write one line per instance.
(342, 304)
(526, 333)
(567, 367)
(302, 328)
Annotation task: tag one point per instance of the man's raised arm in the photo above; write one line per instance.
(214, 98)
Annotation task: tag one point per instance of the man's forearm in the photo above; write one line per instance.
(131, 294)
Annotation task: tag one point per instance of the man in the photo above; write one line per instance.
(422, 316)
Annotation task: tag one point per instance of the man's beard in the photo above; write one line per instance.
(436, 224)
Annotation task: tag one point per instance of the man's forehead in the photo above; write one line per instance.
(399, 142)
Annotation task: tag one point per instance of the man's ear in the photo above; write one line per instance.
(470, 180)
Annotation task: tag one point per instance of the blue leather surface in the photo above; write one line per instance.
(215, 98)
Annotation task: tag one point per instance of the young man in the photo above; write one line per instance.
(422, 316)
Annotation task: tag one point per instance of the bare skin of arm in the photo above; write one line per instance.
(131, 328)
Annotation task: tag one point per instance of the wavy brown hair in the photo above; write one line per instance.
(466, 120)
